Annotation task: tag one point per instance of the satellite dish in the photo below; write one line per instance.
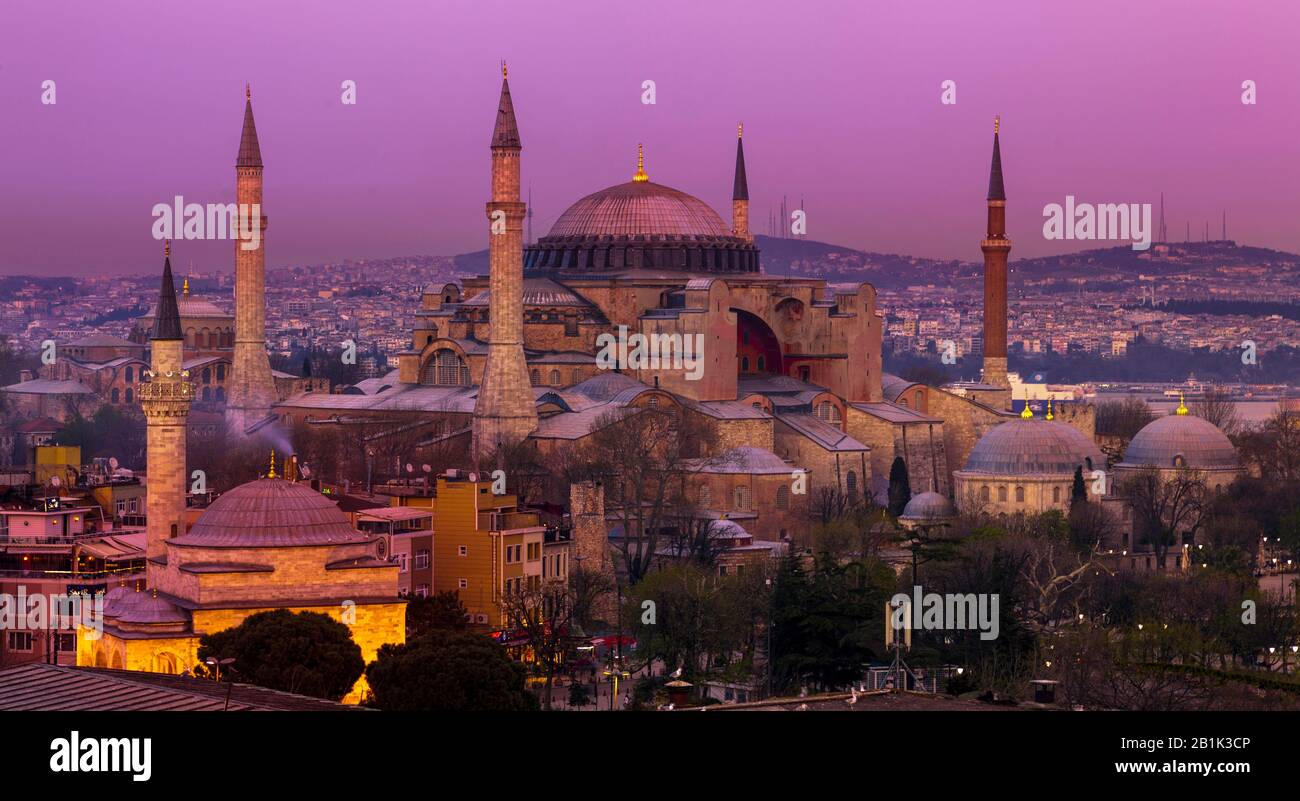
(112, 462)
(410, 468)
(426, 468)
(473, 476)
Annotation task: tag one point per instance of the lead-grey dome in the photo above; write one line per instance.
(1195, 441)
(1034, 447)
(929, 506)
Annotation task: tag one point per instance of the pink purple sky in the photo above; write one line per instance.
(1109, 100)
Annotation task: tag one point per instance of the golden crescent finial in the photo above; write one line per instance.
(996, 120)
(740, 130)
(167, 248)
(1049, 408)
(272, 473)
(185, 286)
(504, 72)
(1182, 405)
(640, 176)
(248, 91)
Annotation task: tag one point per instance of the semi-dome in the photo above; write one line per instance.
(929, 506)
(271, 512)
(1028, 447)
(1181, 440)
(639, 208)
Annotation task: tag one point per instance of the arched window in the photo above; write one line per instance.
(1002, 494)
(555, 378)
(744, 364)
(445, 368)
(221, 393)
(902, 402)
(1056, 494)
(221, 372)
(535, 378)
(828, 412)
(189, 338)
(207, 375)
(130, 374)
(851, 482)
(984, 494)
(1020, 494)
(115, 395)
(652, 401)
(207, 393)
(917, 397)
(762, 365)
(783, 497)
(130, 395)
(1179, 461)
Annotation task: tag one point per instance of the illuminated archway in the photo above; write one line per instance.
(758, 352)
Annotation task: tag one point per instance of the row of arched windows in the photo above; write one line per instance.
(986, 494)
(205, 338)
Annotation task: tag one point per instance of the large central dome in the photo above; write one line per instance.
(639, 208)
(271, 512)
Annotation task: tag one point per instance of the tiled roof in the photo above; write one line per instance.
(824, 434)
(43, 687)
(271, 512)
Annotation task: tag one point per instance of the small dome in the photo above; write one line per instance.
(639, 208)
(929, 506)
(1028, 447)
(1178, 440)
(271, 512)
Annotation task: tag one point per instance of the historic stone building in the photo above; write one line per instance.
(641, 295)
(269, 544)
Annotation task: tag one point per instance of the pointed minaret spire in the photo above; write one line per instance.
(996, 189)
(740, 189)
(167, 318)
(996, 246)
(250, 153)
(506, 132)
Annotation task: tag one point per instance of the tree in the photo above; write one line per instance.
(900, 487)
(547, 616)
(1123, 419)
(645, 456)
(1218, 406)
(448, 671)
(1165, 509)
(298, 652)
(441, 611)
(1078, 491)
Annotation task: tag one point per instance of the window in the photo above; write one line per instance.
(422, 590)
(402, 561)
(744, 364)
(984, 494)
(742, 497)
(555, 378)
(422, 559)
(462, 550)
(221, 372)
(130, 395)
(851, 482)
(130, 374)
(1056, 494)
(706, 495)
(828, 412)
(1020, 494)
(134, 505)
(207, 375)
(121, 507)
(1179, 461)
(116, 397)
(463, 583)
(20, 641)
(570, 326)
(535, 378)
(514, 553)
(783, 497)
(445, 369)
(1002, 494)
(534, 551)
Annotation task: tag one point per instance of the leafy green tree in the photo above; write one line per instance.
(579, 694)
(448, 671)
(827, 620)
(299, 652)
(441, 611)
(1078, 492)
(900, 487)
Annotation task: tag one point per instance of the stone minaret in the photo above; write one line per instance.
(166, 399)
(740, 192)
(251, 389)
(504, 412)
(996, 246)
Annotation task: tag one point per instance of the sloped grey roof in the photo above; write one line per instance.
(49, 386)
(824, 434)
(745, 460)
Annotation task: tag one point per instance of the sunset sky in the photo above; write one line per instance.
(1110, 101)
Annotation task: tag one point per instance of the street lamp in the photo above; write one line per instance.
(217, 664)
(616, 674)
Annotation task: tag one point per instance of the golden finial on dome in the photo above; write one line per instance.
(640, 176)
(1182, 405)
(740, 130)
(996, 120)
(272, 473)
(185, 286)
(167, 248)
(1026, 413)
(504, 72)
(1049, 408)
